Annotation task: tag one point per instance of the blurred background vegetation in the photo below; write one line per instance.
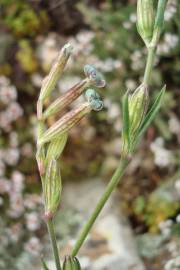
(102, 33)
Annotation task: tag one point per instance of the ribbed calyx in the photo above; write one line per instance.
(134, 110)
(145, 20)
(52, 140)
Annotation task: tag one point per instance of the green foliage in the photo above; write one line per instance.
(160, 206)
(139, 205)
(26, 57)
(22, 19)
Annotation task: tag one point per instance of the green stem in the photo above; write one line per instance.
(159, 21)
(110, 187)
(149, 64)
(54, 243)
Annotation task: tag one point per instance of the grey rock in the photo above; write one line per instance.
(110, 245)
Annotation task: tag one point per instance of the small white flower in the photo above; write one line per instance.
(33, 246)
(11, 156)
(162, 156)
(170, 10)
(18, 181)
(113, 111)
(14, 111)
(8, 94)
(16, 205)
(174, 125)
(133, 17)
(177, 185)
(178, 218)
(13, 139)
(31, 201)
(27, 150)
(130, 84)
(32, 221)
(127, 25)
(2, 168)
(67, 83)
(5, 185)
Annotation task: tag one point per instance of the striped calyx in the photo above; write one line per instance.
(71, 263)
(52, 188)
(56, 147)
(138, 102)
(66, 99)
(134, 108)
(64, 124)
(51, 80)
(145, 20)
(95, 77)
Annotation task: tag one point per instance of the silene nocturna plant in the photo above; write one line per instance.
(137, 116)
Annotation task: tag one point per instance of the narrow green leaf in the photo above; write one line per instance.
(152, 112)
(44, 264)
(125, 110)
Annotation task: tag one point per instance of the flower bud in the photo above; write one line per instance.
(138, 102)
(52, 188)
(133, 116)
(63, 101)
(145, 19)
(65, 123)
(51, 80)
(71, 263)
(95, 77)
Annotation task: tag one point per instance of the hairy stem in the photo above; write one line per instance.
(54, 243)
(109, 189)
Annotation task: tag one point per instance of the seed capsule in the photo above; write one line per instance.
(145, 19)
(51, 80)
(52, 188)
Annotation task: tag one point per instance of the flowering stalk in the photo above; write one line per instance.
(135, 119)
(51, 141)
(109, 189)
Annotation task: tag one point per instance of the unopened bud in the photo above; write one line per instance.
(71, 263)
(138, 102)
(94, 76)
(52, 188)
(51, 80)
(145, 19)
(67, 98)
(134, 115)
